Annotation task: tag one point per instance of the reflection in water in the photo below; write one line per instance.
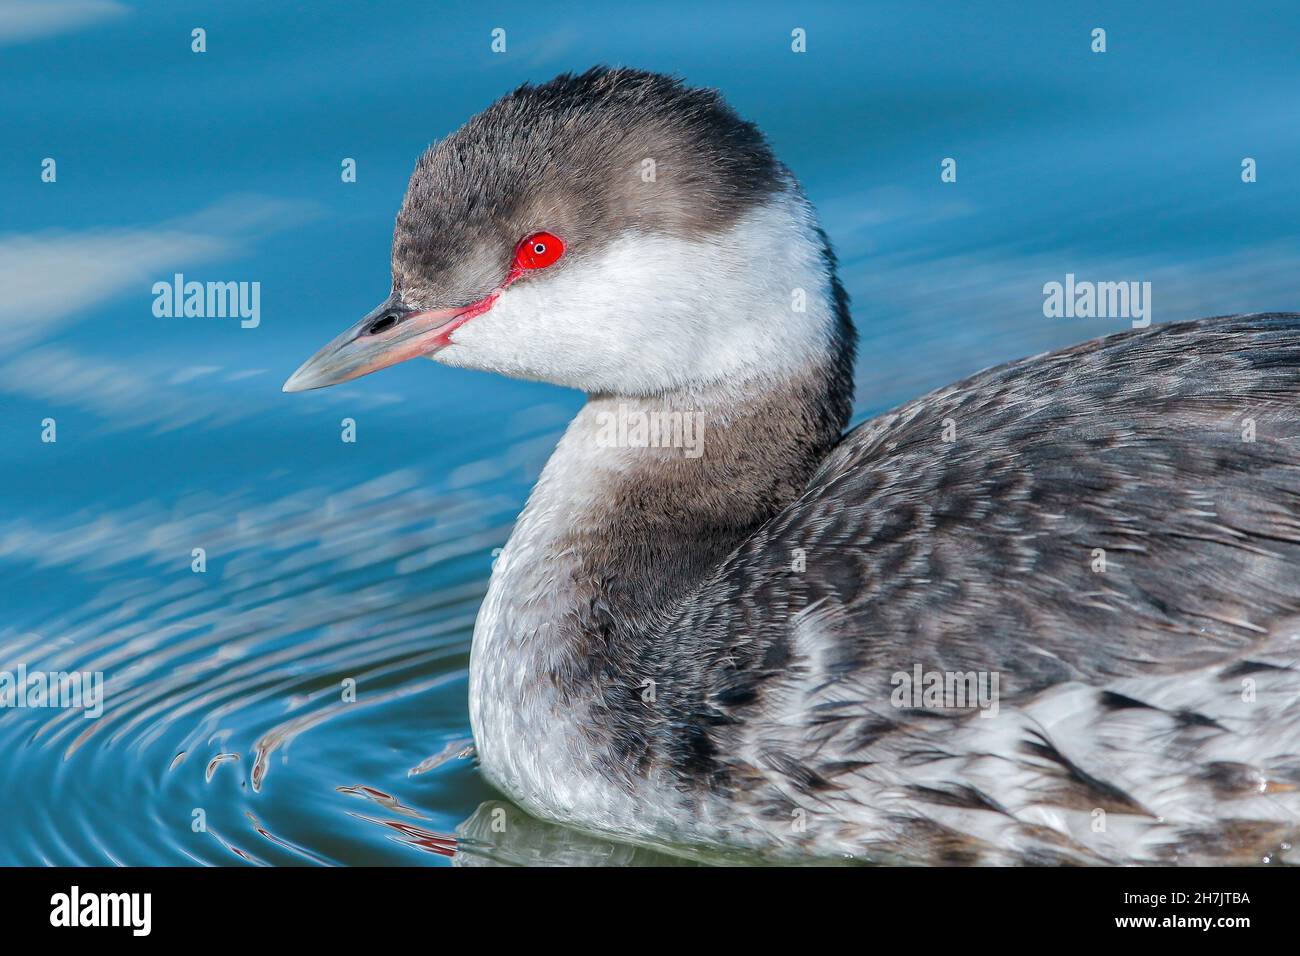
(500, 834)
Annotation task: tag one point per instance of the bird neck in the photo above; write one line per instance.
(642, 499)
(655, 492)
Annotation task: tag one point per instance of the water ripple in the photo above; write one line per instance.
(325, 642)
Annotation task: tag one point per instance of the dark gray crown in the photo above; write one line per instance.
(570, 156)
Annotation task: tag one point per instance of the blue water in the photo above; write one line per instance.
(225, 736)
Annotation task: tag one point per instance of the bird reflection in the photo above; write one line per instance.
(500, 834)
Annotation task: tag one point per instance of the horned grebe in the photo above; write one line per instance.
(715, 645)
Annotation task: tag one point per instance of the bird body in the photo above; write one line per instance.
(721, 643)
(1147, 708)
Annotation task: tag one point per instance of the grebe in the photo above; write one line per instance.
(714, 649)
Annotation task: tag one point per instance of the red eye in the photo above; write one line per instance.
(539, 250)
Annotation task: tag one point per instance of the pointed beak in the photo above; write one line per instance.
(390, 334)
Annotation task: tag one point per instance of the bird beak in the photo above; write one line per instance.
(390, 334)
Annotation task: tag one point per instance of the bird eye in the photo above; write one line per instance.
(539, 250)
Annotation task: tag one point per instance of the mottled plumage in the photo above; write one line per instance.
(979, 554)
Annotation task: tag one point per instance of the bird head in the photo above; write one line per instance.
(615, 231)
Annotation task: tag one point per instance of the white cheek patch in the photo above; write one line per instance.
(654, 312)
